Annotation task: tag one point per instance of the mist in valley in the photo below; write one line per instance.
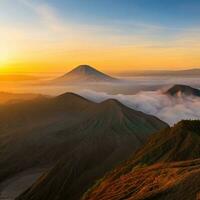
(143, 93)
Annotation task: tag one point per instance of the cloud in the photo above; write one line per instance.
(47, 15)
(122, 33)
(168, 109)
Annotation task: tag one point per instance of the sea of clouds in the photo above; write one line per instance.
(167, 108)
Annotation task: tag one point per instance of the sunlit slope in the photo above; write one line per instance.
(109, 135)
(166, 181)
(159, 170)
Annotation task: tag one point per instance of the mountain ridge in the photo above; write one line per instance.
(186, 72)
(164, 181)
(107, 135)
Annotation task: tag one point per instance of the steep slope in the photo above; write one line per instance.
(109, 135)
(181, 142)
(182, 90)
(170, 181)
(84, 73)
(141, 178)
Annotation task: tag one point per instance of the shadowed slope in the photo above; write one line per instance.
(136, 179)
(109, 134)
(28, 131)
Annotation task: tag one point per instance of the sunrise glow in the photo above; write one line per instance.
(39, 36)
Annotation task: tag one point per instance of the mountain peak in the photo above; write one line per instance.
(85, 73)
(111, 102)
(70, 95)
(84, 68)
(72, 100)
(179, 89)
(113, 107)
(181, 86)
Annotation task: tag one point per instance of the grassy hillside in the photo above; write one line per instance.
(166, 167)
(166, 181)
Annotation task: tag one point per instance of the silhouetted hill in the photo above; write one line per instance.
(141, 178)
(182, 90)
(108, 135)
(84, 73)
(29, 131)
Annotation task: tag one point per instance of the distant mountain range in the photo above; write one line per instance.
(167, 167)
(177, 90)
(6, 97)
(18, 77)
(86, 139)
(188, 72)
(84, 74)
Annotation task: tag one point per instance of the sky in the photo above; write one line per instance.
(111, 35)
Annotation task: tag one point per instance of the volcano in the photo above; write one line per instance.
(84, 73)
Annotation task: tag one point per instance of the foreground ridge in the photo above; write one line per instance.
(167, 167)
(166, 181)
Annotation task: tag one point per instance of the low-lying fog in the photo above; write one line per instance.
(128, 86)
(141, 93)
(168, 109)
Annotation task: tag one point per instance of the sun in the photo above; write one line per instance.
(3, 60)
(4, 57)
(3, 63)
(4, 66)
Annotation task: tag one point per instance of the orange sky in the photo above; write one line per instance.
(47, 43)
(110, 59)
